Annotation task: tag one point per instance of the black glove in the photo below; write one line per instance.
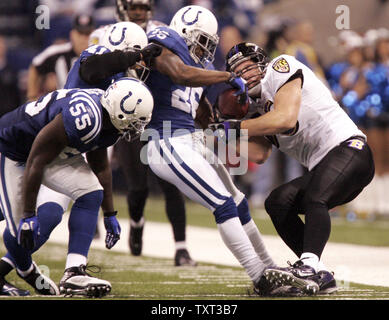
(131, 57)
(222, 128)
(150, 52)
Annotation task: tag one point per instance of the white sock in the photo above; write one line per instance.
(321, 266)
(180, 245)
(27, 272)
(255, 237)
(236, 239)
(75, 260)
(138, 224)
(310, 259)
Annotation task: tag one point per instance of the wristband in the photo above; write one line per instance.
(110, 214)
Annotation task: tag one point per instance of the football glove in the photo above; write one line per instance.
(113, 229)
(28, 232)
(240, 84)
(222, 129)
(150, 52)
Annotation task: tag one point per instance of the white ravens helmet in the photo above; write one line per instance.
(129, 104)
(198, 27)
(127, 36)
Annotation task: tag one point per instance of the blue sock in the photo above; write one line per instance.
(244, 212)
(83, 221)
(20, 256)
(226, 211)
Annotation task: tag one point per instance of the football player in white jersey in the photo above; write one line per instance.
(296, 112)
(136, 173)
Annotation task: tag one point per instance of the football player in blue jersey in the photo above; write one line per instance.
(41, 142)
(176, 151)
(97, 67)
(137, 173)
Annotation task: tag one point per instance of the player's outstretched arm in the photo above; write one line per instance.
(284, 115)
(48, 144)
(99, 163)
(96, 68)
(171, 65)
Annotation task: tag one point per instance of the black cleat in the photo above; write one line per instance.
(7, 289)
(182, 258)
(42, 284)
(265, 288)
(326, 282)
(76, 281)
(135, 240)
(297, 276)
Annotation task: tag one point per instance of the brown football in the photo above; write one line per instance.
(230, 107)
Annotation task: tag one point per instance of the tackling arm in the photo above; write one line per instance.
(171, 65)
(99, 163)
(284, 116)
(48, 144)
(96, 68)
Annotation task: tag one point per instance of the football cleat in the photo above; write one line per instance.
(7, 289)
(135, 240)
(297, 276)
(265, 288)
(326, 282)
(76, 281)
(182, 258)
(42, 284)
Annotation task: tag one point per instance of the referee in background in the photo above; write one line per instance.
(49, 69)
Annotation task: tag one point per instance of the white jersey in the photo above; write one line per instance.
(322, 124)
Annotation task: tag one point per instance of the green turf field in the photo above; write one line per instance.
(145, 278)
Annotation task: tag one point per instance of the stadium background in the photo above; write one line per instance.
(304, 28)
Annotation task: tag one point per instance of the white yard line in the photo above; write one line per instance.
(355, 263)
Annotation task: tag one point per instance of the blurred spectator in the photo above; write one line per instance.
(61, 17)
(361, 85)
(58, 59)
(301, 47)
(9, 91)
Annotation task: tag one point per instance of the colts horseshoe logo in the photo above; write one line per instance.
(124, 100)
(189, 23)
(115, 43)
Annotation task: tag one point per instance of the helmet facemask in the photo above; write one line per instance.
(202, 47)
(134, 128)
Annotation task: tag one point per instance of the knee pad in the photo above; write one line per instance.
(90, 201)
(226, 211)
(244, 211)
(49, 216)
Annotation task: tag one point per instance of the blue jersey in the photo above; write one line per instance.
(82, 115)
(74, 80)
(172, 102)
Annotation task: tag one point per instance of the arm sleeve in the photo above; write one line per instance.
(96, 68)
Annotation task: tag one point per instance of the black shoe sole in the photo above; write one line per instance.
(91, 291)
